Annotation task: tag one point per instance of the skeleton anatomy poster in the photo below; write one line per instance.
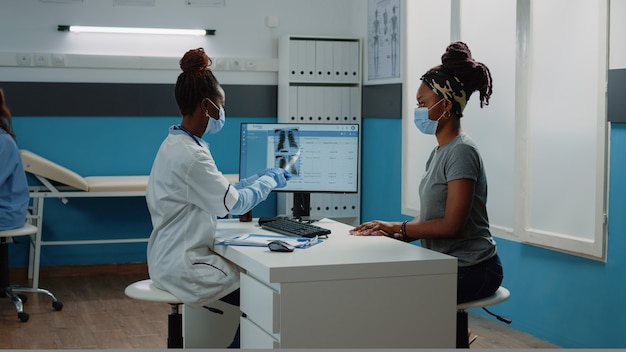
(383, 42)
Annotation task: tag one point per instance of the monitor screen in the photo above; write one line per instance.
(321, 157)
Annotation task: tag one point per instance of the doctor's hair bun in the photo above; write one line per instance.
(195, 60)
(196, 82)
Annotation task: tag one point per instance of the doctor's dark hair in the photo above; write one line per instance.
(5, 116)
(457, 61)
(196, 82)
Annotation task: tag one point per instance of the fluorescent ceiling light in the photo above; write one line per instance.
(135, 30)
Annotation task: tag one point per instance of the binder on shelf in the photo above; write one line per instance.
(331, 103)
(345, 109)
(320, 57)
(301, 64)
(315, 104)
(293, 103)
(351, 62)
(355, 103)
(294, 59)
(302, 104)
(337, 60)
(310, 56)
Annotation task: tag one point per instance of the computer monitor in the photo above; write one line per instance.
(320, 157)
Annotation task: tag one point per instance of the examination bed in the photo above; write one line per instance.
(61, 183)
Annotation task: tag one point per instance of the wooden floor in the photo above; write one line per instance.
(97, 315)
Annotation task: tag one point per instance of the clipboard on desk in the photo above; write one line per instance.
(261, 240)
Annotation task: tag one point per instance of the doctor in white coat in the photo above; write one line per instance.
(186, 194)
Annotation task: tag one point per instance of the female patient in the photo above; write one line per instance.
(453, 190)
(13, 185)
(186, 194)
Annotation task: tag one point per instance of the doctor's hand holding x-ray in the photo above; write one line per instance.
(186, 194)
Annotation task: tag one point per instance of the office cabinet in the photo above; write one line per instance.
(319, 81)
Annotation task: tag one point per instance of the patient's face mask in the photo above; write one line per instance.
(423, 123)
(214, 125)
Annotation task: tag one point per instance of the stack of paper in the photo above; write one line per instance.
(259, 240)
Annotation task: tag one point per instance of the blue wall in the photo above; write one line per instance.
(381, 164)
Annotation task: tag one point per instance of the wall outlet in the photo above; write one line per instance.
(57, 60)
(24, 59)
(40, 59)
(236, 64)
(221, 64)
(250, 64)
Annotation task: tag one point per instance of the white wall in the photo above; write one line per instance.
(617, 54)
(30, 26)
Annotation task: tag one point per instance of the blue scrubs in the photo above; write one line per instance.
(13, 185)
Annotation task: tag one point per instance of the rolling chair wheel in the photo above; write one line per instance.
(57, 305)
(23, 298)
(23, 317)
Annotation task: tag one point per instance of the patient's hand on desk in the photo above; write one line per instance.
(373, 228)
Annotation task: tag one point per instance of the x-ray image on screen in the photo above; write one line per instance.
(320, 157)
(287, 150)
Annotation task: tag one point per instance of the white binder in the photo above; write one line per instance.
(293, 104)
(310, 61)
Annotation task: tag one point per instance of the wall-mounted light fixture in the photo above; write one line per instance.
(134, 30)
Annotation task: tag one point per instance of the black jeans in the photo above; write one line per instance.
(479, 281)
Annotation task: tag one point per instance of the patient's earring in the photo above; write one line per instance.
(206, 113)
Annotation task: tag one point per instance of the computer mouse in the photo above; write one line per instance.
(280, 246)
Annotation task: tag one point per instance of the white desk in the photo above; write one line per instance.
(347, 292)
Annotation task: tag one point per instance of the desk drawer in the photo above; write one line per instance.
(253, 337)
(260, 303)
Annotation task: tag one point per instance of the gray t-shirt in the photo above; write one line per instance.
(458, 159)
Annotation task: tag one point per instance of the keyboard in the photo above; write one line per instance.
(291, 227)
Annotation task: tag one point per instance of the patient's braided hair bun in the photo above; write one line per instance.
(196, 82)
(475, 76)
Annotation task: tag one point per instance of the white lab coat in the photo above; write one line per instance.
(185, 195)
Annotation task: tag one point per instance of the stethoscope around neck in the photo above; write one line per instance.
(195, 139)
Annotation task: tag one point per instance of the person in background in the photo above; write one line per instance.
(14, 196)
(453, 190)
(186, 193)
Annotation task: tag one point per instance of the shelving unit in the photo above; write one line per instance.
(319, 81)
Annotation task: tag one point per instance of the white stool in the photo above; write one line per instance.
(145, 290)
(11, 290)
(462, 339)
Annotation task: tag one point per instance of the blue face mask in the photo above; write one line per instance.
(423, 123)
(214, 125)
